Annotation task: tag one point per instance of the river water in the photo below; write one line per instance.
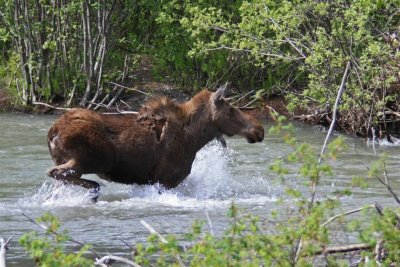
(219, 176)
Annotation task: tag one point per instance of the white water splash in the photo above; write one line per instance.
(384, 142)
(209, 184)
(53, 193)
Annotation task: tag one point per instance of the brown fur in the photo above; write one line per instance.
(158, 144)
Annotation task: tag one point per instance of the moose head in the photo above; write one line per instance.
(230, 121)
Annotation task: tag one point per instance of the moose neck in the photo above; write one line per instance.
(199, 127)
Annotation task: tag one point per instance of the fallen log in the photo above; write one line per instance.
(344, 249)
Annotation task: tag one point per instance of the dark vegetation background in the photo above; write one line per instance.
(74, 52)
(284, 55)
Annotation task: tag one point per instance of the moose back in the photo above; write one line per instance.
(157, 145)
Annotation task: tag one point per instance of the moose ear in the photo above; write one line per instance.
(220, 93)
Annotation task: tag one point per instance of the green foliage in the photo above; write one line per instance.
(49, 250)
(298, 49)
(293, 240)
(304, 44)
(176, 49)
(243, 244)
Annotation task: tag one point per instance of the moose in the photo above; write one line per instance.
(156, 145)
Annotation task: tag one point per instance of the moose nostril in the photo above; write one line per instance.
(258, 132)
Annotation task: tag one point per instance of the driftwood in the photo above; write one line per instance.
(49, 106)
(108, 260)
(379, 249)
(344, 249)
(66, 109)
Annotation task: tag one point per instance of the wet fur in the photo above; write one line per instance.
(158, 144)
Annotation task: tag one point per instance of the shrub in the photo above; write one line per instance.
(302, 48)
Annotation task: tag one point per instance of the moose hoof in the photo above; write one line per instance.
(71, 173)
(52, 172)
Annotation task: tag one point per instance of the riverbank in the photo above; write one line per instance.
(143, 85)
(130, 98)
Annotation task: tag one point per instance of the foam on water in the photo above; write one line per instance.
(210, 184)
(384, 142)
(53, 193)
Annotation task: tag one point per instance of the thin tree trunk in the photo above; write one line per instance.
(121, 90)
(22, 52)
(28, 44)
(88, 53)
(103, 16)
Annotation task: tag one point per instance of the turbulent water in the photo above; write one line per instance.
(219, 176)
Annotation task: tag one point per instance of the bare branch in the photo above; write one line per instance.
(131, 89)
(391, 112)
(209, 223)
(32, 220)
(153, 231)
(331, 127)
(127, 244)
(346, 213)
(5, 98)
(162, 239)
(242, 97)
(389, 188)
(120, 91)
(3, 249)
(123, 102)
(120, 112)
(347, 248)
(249, 51)
(289, 41)
(57, 234)
(50, 106)
(315, 181)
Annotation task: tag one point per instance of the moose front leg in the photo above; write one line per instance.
(69, 175)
